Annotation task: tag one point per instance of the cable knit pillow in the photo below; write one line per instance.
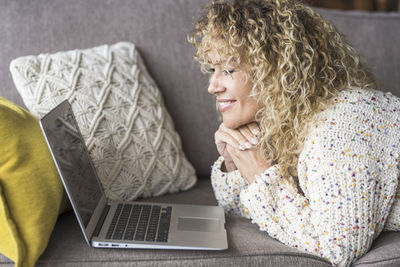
(128, 131)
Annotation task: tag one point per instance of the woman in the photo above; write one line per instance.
(309, 149)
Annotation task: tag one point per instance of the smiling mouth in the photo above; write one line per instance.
(224, 105)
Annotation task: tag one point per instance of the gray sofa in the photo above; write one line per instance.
(159, 28)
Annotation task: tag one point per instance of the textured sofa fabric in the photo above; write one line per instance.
(159, 28)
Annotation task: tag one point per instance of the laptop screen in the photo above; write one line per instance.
(74, 163)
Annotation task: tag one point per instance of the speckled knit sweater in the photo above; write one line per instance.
(348, 173)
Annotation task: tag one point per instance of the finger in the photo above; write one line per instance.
(232, 151)
(254, 128)
(244, 143)
(250, 136)
(224, 137)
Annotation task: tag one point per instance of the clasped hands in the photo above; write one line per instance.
(240, 151)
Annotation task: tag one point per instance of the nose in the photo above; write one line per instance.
(215, 85)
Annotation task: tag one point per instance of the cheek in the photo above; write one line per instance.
(251, 107)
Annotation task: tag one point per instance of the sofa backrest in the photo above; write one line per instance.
(376, 36)
(159, 29)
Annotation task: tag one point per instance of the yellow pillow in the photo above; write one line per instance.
(30, 188)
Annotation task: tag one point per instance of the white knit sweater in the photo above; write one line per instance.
(348, 171)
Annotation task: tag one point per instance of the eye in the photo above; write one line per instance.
(210, 70)
(229, 71)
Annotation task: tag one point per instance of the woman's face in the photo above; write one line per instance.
(232, 91)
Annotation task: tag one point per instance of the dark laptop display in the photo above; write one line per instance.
(64, 139)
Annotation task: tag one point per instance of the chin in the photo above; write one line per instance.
(235, 123)
(231, 124)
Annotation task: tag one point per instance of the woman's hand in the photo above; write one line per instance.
(242, 138)
(249, 162)
(238, 148)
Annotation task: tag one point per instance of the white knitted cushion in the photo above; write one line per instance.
(127, 129)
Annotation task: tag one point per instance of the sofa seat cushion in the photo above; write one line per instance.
(247, 245)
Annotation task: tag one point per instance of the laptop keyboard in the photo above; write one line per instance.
(140, 222)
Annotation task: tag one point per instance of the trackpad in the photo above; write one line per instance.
(198, 224)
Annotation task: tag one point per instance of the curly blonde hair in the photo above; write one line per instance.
(296, 61)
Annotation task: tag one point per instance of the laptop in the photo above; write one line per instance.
(112, 224)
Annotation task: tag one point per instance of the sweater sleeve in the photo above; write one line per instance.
(348, 174)
(227, 187)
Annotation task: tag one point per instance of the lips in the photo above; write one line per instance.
(225, 104)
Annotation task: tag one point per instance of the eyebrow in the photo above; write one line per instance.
(215, 64)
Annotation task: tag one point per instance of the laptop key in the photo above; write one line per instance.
(163, 228)
(143, 222)
(140, 223)
(132, 223)
(153, 223)
(122, 222)
(114, 221)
